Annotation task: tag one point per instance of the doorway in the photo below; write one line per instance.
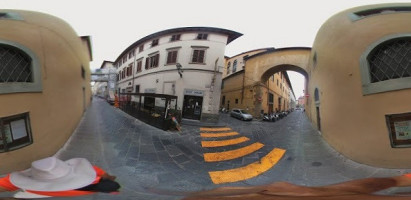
(318, 118)
(192, 107)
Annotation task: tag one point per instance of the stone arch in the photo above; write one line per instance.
(262, 66)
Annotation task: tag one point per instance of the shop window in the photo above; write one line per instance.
(386, 66)
(15, 132)
(20, 70)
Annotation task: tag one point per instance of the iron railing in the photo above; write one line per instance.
(154, 109)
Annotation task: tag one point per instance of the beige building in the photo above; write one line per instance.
(44, 86)
(360, 84)
(239, 86)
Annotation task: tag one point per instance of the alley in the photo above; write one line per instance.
(153, 164)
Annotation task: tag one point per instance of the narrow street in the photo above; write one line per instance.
(153, 164)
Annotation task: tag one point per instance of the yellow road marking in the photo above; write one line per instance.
(215, 129)
(228, 155)
(218, 134)
(249, 171)
(222, 143)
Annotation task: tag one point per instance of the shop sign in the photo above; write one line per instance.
(193, 92)
(150, 90)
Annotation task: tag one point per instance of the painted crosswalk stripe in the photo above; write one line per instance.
(209, 135)
(221, 143)
(229, 155)
(249, 171)
(215, 129)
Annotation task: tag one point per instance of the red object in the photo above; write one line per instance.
(6, 184)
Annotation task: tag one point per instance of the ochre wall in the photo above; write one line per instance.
(353, 123)
(55, 112)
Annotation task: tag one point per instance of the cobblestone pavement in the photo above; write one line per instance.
(153, 164)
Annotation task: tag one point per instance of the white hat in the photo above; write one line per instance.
(51, 174)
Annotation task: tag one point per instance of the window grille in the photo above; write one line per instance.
(15, 65)
(390, 60)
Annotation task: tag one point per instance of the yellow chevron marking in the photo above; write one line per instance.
(249, 171)
(228, 155)
(215, 129)
(218, 134)
(221, 143)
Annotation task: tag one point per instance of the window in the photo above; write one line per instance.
(139, 65)
(228, 67)
(236, 101)
(175, 37)
(386, 65)
(137, 88)
(15, 132)
(234, 66)
(20, 71)
(83, 72)
(172, 56)
(131, 54)
(152, 61)
(125, 59)
(141, 48)
(378, 11)
(198, 56)
(130, 70)
(154, 43)
(202, 36)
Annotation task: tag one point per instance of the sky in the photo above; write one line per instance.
(115, 25)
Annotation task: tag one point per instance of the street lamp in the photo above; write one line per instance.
(179, 69)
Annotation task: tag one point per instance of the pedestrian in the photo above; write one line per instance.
(360, 189)
(52, 177)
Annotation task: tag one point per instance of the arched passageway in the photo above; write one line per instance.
(261, 67)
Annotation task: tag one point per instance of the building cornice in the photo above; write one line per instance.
(232, 35)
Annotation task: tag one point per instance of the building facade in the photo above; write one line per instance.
(105, 81)
(360, 84)
(184, 62)
(238, 92)
(44, 86)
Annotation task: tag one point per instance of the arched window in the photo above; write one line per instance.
(19, 71)
(15, 65)
(386, 66)
(234, 66)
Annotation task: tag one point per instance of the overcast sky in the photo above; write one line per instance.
(115, 25)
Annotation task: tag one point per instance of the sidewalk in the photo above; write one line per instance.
(153, 164)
